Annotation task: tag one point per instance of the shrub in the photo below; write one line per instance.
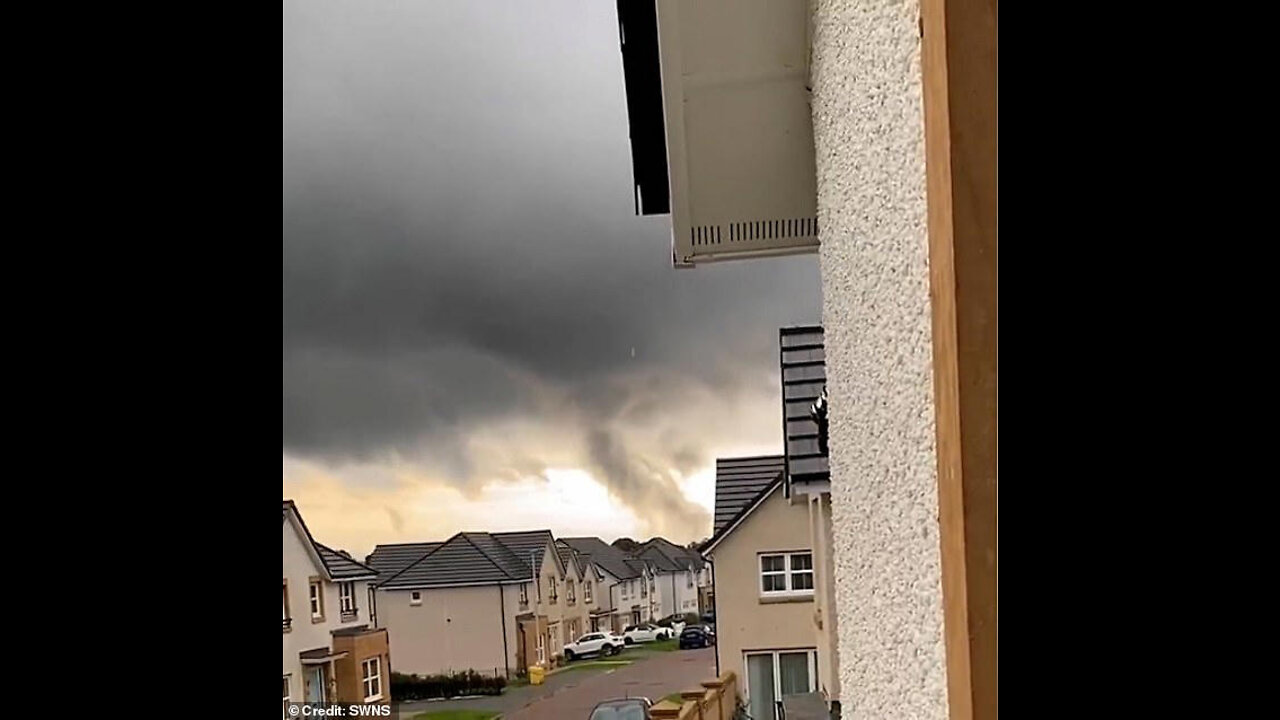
(430, 687)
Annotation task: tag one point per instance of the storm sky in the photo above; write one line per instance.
(477, 327)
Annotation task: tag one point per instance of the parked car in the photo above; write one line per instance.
(597, 643)
(636, 708)
(697, 636)
(645, 632)
(675, 623)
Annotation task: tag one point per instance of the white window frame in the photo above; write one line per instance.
(315, 598)
(415, 597)
(777, 669)
(288, 695)
(524, 593)
(552, 593)
(371, 674)
(347, 597)
(586, 592)
(690, 584)
(542, 648)
(786, 573)
(568, 591)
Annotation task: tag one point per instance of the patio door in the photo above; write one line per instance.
(772, 676)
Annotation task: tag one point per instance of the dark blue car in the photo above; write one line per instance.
(697, 636)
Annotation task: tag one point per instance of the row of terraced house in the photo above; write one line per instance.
(500, 602)
(493, 602)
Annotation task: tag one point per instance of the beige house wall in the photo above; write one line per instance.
(744, 621)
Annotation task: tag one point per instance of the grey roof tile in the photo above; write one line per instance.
(388, 560)
(802, 361)
(605, 556)
(739, 481)
(460, 560)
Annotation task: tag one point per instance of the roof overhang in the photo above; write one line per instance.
(711, 545)
(320, 656)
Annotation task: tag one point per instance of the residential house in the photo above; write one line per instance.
(495, 603)
(333, 649)
(678, 571)
(624, 598)
(771, 545)
(765, 584)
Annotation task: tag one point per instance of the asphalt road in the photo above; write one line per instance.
(572, 695)
(654, 677)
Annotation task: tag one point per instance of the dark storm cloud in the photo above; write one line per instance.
(459, 239)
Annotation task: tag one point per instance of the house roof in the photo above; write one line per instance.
(606, 557)
(526, 542)
(390, 559)
(739, 481)
(464, 559)
(337, 563)
(568, 554)
(746, 509)
(802, 358)
(673, 557)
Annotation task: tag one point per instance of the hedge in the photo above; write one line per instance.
(430, 687)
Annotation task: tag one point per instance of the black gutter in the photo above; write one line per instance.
(506, 657)
(714, 612)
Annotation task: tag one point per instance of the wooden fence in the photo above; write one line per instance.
(715, 701)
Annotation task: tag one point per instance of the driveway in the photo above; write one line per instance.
(654, 677)
(571, 695)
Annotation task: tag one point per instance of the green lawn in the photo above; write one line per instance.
(673, 697)
(456, 715)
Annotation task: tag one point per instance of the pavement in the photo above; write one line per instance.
(572, 694)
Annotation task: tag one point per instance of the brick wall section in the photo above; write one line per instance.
(348, 672)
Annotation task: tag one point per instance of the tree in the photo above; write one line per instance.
(626, 545)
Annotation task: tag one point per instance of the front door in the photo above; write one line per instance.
(315, 684)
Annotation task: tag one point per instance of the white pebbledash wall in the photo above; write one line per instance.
(869, 138)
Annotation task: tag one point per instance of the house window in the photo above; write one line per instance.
(644, 590)
(317, 600)
(524, 593)
(347, 597)
(586, 591)
(539, 584)
(568, 584)
(542, 648)
(371, 674)
(288, 620)
(551, 584)
(415, 598)
(772, 676)
(690, 583)
(790, 573)
(286, 697)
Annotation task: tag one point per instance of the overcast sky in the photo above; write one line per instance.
(479, 333)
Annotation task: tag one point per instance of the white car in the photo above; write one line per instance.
(601, 643)
(645, 632)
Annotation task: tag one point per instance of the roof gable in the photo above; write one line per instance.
(742, 515)
(334, 564)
